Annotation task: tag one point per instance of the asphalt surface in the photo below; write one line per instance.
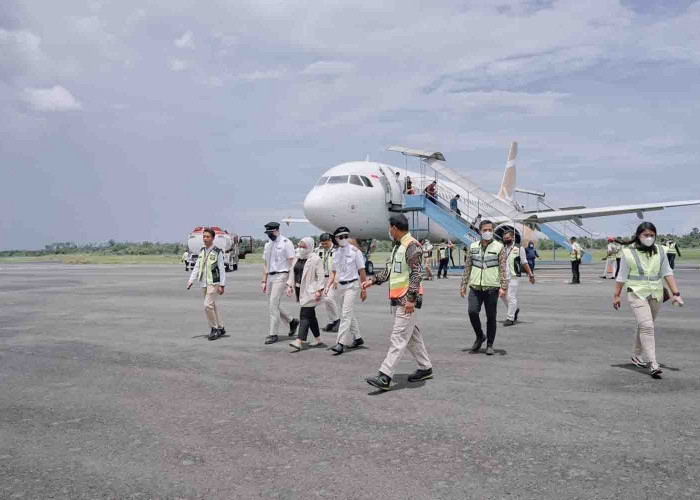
(108, 389)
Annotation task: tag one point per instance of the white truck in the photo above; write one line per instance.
(235, 247)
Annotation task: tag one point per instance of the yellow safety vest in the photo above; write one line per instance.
(442, 252)
(514, 254)
(618, 251)
(212, 266)
(399, 279)
(572, 254)
(327, 259)
(670, 249)
(484, 270)
(645, 278)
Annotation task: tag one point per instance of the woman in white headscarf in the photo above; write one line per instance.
(306, 281)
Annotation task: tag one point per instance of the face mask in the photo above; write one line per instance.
(272, 237)
(303, 253)
(647, 242)
(343, 243)
(391, 237)
(487, 235)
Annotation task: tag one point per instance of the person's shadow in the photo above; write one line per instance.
(500, 352)
(206, 335)
(398, 383)
(644, 371)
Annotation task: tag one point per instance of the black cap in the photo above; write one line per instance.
(272, 226)
(325, 237)
(341, 230)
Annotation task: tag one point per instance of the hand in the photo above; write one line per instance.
(501, 293)
(318, 295)
(363, 295)
(334, 285)
(189, 285)
(289, 290)
(264, 286)
(532, 279)
(462, 292)
(367, 284)
(221, 290)
(410, 307)
(677, 300)
(616, 303)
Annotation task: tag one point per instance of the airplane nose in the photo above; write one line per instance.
(314, 209)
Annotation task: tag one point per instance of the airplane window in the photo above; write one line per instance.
(338, 179)
(322, 180)
(367, 182)
(354, 179)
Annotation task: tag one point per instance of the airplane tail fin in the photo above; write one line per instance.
(509, 178)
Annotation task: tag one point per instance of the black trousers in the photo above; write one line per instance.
(617, 267)
(531, 263)
(489, 298)
(671, 260)
(576, 278)
(307, 319)
(443, 267)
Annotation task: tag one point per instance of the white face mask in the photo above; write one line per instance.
(343, 243)
(391, 238)
(648, 241)
(487, 235)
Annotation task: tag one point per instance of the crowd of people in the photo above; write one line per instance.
(333, 275)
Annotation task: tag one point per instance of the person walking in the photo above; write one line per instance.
(454, 205)
(210, 271)
(278, 255)
(405, 277)
(306, 283)
(325, 253)
(515, 258)
(575, 256)
(643, 269)
(530, 255)
(672, 250)
(432, 192)
(427, 255)
(485, 277)
(443, 259)
(186, 260)
(618, 254)
(349, 270)
(451, 252)
(610, 262)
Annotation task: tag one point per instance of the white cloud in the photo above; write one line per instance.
(19, 50)
(57, 98)
(271, 74)
(186, 41)
(178, 65)
(328, 68)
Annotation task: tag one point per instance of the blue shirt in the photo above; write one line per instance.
(453, 204)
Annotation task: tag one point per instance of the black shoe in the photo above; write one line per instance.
(271, 339)
(381, 382)
(517, 311)
(213, 334)
(335, 326)
(222, 331)
(419, 375)
(477, 344)
(490, 351)
(508, 322)
(328, 327)
(293, 327)
(338, 349)
(358, 343)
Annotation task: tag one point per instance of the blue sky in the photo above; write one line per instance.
(139, 120)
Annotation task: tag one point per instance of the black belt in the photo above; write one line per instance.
(278, 272)
(347, 282)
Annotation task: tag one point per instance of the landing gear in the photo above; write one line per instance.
(366, 247)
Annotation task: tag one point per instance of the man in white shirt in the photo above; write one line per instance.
(611, 252)
(210, 271)
(349, 271)
(278, 255)
(325, 251)
(514, 253)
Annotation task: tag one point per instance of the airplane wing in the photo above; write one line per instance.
(295, 220)
(584, 213)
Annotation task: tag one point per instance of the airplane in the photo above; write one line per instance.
(362, 195)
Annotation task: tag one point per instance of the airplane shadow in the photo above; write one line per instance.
(398, 383)
(645, 371)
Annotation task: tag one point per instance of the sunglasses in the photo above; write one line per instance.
(342, 237)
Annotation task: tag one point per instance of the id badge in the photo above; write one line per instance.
(397, 267)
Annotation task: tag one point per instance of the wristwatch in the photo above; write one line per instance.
(677, 294)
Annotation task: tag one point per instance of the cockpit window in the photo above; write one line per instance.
(367, 182)
(322, 180)
(355, 179)
(338, 179)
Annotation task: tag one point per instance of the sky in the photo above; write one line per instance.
(137, 121)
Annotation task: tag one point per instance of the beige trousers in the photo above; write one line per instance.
(277, 288)
(645, 311)
(331, 304)
(349, 328)
(510, 299)
(210, 306)
(405, 334)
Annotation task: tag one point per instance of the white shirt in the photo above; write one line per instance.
(522, 259)
(347, 262)
(222, 269)
(276, 254)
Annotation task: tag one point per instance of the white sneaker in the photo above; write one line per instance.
(655, 370)
(637, 361)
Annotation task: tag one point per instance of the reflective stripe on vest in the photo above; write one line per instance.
(644, 279)
(213, 274)
(484, 270)
(327, 258)
(400, 275)
(512, 255)
(575, 256)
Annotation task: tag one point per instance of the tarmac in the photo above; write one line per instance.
(109, 389)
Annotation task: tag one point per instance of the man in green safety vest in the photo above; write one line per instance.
(325, 251)
(405, 276)
(671, 248)
(575, 256)
(210, 271)
(485, 276)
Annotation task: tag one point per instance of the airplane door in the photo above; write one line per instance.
(392, 190)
